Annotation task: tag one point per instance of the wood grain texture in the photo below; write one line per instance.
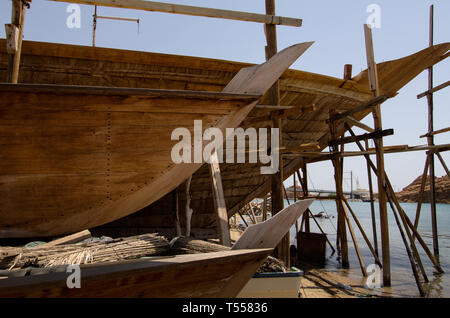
(217, 274)
(115, 165)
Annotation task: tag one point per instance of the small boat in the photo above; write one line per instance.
(219, 274)
(216, 274)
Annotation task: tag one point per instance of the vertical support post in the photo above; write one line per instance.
(264, 208)
(177, 214)
(219, 201)
(342, 228)
(305, 195)
(17, 23)
(94, 26)
(431, 143)
(189, 211)
(382, 199)
(274, 99)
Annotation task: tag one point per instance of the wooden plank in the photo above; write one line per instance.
(191, 10)
(373, 102)
(433, 90)
(219, 201)
(69, 239)
(437, 132)
(376, 113)
(108, 91)
(374, 135)
(354, 122)
(269, 233)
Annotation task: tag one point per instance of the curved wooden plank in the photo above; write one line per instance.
(269, 233)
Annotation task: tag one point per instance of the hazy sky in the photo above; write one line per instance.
(335, 26)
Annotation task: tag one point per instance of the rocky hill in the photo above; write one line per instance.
(411, 192)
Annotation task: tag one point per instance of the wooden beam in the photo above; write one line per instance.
(376, 113)
(357, 123)
(437, 132)
(219, 201)
(69, 239)
(188, 209)
(271, 19)
(374, 135)
(16, 31)
(372, 103)
(433, 90)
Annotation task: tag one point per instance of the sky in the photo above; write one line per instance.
(335, 26)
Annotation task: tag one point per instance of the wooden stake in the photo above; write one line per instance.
(219, 201)
(177, 214)
(376, 113)
(189, 211)
(372, 205)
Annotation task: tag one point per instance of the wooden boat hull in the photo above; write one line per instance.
(78, 157)
(72, 157)
(219, 274)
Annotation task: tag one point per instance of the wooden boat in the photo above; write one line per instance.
(219, 274)
(309, 96)
(75, 157)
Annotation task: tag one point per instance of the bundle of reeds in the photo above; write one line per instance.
(88, 253)
(186, 245)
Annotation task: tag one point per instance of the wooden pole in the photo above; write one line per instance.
(377, 260)
(274, 99)
(355, 243)
(223, 227)
(94, 26)
(430, 139)
(338, 178)
(443, 164)
(376, 113)
(422, 191)
(391, 192)
(177, 214)
(189, 211)
(295, 200)
(154, 6)
(17, 24)
(305, 195)
(372, 204)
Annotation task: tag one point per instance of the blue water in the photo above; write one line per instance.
(403, 282)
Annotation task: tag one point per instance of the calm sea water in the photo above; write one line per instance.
(403, 282)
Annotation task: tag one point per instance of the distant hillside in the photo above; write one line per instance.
(411, 192)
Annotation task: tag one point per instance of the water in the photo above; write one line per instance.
(403, 283)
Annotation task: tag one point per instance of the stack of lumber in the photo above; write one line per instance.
(84, 253)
